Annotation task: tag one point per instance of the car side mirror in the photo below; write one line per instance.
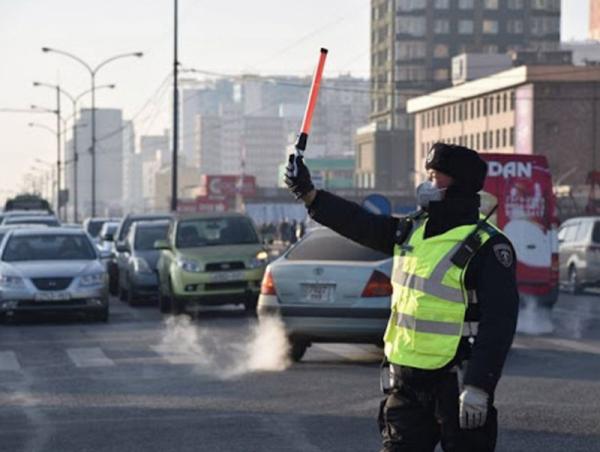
(162, 245)
(108, 237)
(122, 247)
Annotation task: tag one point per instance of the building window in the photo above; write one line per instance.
(441, 75)
(454, 115)
(511, 136)
(466, 4)
(415, 26)
(498, 138)
(504, 102)
(410, 73)
(485, 141)
(485, 109)
(490, 27)
(498, 104)
(465, 27)
(442, 4)
(504, 138)
(410, 5)
(477, 141)
(460, 112)
(489, 48)
(478, 109)
(407, 50)
(549, 5)
(515, 26)
(440, 51)
(490, 4)
(516, 4)
(439, 117)
(471, 141)
(512, 100)
(491, 105)
(472, 109)
(491, 139)
(441, 26)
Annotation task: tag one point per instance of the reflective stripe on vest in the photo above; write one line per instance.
(429, 299)
(426, 326)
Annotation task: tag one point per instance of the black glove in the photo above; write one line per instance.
(297, 176)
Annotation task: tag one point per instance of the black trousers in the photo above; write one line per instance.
(422, 412)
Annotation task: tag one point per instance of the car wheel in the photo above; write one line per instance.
(250, 305)
(113, 281)
(177, 304)
(122, 293)
(297, 350)
(574, 284)
(164, 302)
(131, 297)
(102, 316)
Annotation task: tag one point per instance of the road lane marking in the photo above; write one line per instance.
(89, 357)
(9, 362)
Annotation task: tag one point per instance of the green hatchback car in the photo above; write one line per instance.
(210, 259)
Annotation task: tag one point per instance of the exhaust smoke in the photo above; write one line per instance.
(533, 318)
(220, 352)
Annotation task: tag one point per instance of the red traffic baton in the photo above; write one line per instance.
(312, 102)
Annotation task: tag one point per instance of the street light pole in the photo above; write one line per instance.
(74, 100)
(58, 149)
(93, 71)
(175, 113)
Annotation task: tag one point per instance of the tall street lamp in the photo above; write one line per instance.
(93, 71)
(57, 133)
(74, 100)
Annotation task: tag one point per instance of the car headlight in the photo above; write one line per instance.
(95, 279)
(188, 265)
(11, 282)
(140, 265)
(260, 260)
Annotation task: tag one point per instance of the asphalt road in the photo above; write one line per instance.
(140, 383)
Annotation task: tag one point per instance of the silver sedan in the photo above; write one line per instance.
(52, 269)
(328, 289)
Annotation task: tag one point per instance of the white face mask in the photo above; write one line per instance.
(427, 192)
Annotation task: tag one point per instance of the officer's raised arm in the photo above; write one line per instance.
(344, 217)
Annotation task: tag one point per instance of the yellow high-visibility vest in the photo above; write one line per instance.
(429, 299)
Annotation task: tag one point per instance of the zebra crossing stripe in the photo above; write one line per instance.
(89, 357)
(8, 361)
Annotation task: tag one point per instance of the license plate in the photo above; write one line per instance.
(52, 296)
(227, 276)
(318, 293)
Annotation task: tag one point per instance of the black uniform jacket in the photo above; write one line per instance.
(491, 273)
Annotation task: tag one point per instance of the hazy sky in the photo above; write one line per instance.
(228, 36)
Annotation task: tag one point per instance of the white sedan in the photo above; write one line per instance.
(328, 289)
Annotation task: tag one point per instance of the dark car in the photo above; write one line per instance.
(139, 278)
(121, 259)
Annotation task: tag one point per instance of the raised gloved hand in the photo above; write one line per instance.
(297, 177)
(473, 407)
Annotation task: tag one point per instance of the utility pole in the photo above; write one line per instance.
(175, 115)
(58, 119)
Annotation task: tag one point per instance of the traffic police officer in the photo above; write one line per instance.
(454, 303)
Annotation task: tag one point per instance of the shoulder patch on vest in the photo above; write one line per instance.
(504, 254)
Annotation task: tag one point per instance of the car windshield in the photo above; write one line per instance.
(128, 222)
(146, 236)
(328, 246)
(48, 247)
(94, 226)
(215, 231)
(33, 220)
(109, 228)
